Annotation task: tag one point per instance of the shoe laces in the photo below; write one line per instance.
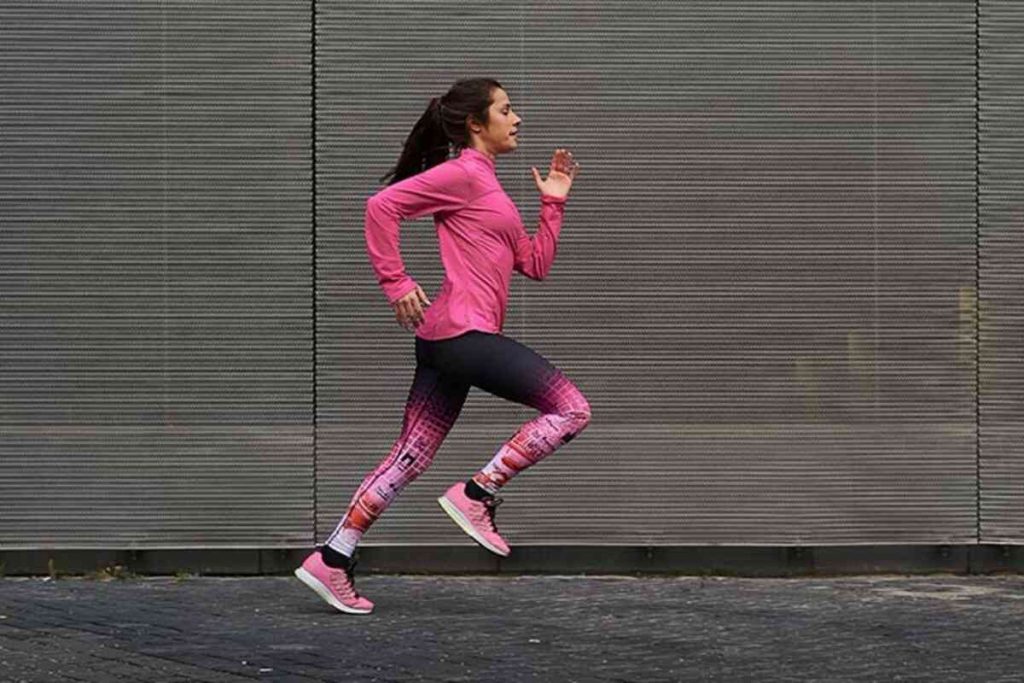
(490, 504)
(349, 584)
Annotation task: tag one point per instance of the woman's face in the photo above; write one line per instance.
(499, 135)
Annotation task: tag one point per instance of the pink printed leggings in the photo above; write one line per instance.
(445, 370)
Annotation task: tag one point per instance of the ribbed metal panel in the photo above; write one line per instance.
(765, 282)
(156, 274)
(1001, 274)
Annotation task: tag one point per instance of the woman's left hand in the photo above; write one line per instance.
(560, 176)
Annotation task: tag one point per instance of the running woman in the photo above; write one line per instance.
(458, 336)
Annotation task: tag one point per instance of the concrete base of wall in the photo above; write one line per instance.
(750, 561)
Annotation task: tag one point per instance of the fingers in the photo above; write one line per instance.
(564, 162)
(414, 315)
(558, 159)
(409, 312)
(408, 316)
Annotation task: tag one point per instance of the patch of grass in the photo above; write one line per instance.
(112, 572)
(183, 575)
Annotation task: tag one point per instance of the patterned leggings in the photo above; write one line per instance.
(445, 370)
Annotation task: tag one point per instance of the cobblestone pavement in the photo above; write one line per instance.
(526, 628)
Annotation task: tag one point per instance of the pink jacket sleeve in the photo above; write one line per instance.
(444, 187)
(534, 256)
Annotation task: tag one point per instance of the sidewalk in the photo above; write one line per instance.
(529, 628)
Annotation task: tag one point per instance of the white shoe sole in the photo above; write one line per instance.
(321, 590)
(464, 524)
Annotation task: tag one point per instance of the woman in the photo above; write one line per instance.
(458, 337)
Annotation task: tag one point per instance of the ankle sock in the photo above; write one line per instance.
(475, 491)
(332, 558)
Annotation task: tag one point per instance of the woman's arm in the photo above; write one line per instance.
(444, 187)
(534, 256)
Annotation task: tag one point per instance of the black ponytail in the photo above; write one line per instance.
(444, 127)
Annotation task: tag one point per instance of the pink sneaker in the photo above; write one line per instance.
(476, 517)
(333, 585)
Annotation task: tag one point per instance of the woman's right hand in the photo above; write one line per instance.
(409, 309)
(562, 172)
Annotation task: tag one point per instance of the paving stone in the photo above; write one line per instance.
(520, 628)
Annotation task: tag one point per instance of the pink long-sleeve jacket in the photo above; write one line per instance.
(482, 240)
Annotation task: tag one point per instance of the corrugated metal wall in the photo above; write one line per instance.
(155, 269)
(1001, 271)
(765, 283)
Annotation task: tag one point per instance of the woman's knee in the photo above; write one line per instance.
(577, 413)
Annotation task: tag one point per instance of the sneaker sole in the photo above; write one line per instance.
(321, 590)
(465, 525)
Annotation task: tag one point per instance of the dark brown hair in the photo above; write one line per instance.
(443, 126)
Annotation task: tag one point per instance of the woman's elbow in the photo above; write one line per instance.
(378, 205)
(531, 271)
(381, 215)
(373, 204)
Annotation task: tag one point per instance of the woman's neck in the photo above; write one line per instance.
(484, 151)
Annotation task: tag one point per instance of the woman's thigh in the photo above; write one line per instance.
(431, 409)
(499, 365)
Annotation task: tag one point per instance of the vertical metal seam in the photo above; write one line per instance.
(977, 268)
(874, 188)
(163, 197)
(312, 58)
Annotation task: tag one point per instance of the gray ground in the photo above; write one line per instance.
(529, 628)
